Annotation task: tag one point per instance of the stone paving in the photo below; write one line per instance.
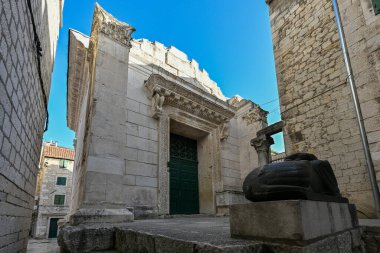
(42, 246)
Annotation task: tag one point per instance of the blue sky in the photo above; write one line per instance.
(230, 39)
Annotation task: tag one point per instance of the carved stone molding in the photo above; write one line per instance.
(254, 115)
(163, 158)
(113, 28)
(187, 97)
(158, 100)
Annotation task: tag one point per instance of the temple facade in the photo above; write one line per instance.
(155, 135)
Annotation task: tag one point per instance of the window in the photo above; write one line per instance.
(376, 6)
(59, 200)
(61, 181)
(63, 163)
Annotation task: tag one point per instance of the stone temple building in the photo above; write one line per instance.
(316, 104)
(53, 192)
(154, 134)
(28, 40)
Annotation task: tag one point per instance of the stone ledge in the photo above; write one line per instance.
(192, 235)
(294, 221)
(101, 216)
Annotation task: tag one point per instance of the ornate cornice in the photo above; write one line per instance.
(187, 97)
(105, 23)
(110, 26)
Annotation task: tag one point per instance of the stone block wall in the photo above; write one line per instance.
(362, 31)
(315, 100)
(22, 110)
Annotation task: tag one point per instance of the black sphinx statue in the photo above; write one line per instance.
(300, 176)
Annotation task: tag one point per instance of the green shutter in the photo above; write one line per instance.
(61, 180)
(63, 163)
(376, 6)
(59, 200)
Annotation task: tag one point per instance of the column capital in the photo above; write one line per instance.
(110, 26)
(262, 143)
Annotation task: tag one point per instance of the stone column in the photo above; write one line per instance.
(262, 145)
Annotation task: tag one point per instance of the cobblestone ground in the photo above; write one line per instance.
(42, 246)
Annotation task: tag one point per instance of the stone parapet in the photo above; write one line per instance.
(176, 62)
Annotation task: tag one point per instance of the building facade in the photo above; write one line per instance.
(53, 192)
(154, 134)
(316, 103)
(28, 39)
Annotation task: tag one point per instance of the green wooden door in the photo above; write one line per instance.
(53, 228)
(183, 169)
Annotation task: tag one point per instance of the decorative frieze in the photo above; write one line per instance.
(187, 97)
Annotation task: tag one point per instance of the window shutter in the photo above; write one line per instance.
(59, 200)
(61, 180)
(63, 163)
(376, 6)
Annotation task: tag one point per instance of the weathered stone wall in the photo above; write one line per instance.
(362, 32)
(316, 103)
(46, 208)
(22, 111)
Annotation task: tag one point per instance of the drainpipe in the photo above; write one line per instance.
(359, 116)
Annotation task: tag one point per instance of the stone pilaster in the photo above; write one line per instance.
(104, 193)
(163, 158)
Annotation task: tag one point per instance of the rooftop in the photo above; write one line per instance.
(58, 152)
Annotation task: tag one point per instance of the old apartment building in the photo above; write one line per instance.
(154, 133)
(316, 103)
(53, 192)
(28, 40)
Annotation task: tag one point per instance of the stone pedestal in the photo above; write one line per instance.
(295, 222)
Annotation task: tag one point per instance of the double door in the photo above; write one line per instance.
(183, 169)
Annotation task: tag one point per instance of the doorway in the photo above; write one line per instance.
(53, 228)
(183, 170)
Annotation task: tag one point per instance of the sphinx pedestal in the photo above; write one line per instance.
(302, 225)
